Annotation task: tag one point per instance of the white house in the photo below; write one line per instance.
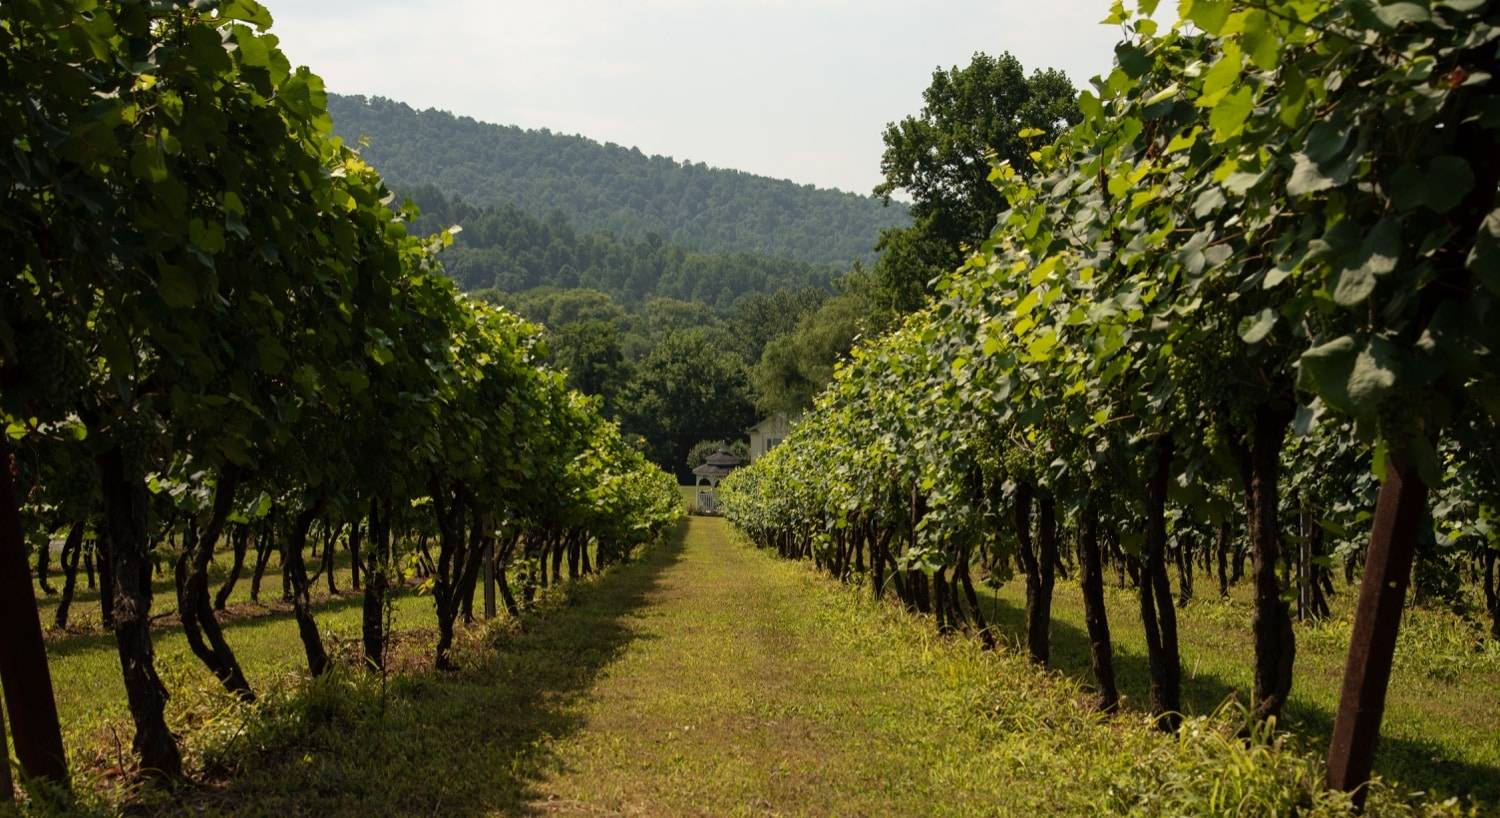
(764, 436)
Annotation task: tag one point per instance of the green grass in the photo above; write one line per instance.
(1441, 730)
(86, 668)
(705, 678)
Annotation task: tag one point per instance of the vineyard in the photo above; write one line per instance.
(1245, 309)
(331, 536)
(216, 328)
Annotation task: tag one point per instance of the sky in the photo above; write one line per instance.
(793, 89)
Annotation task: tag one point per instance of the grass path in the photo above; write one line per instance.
(741, 693)
(729, 699)
(705, 678)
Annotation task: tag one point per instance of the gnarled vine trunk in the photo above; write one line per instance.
(123, 485)
(1038, 564)
(1157, 614)
(451, 563)
(296, 574)
(377, 580)
(72, 551)
(193, 604)
(24, 674)
(240, 540)
(1275, 644)
(1096, 617)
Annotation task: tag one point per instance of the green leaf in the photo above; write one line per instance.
(1260, 40)
(1227, 119)
(254, 50)
(247, 11)
(1275, 276)
(1484, 257)
(1029, 303)
(1221, 76)
(1377, 256)
(1133, 61)
(1208, 201)
(1394, 14)
(1449, 180)
(148, 163)
(206, 236)
(1373, 374)
(1325, 141)
(1325, 369)
(1439, 184)
(1308, 177)
(1089, 105)
(1163, 95)
(1209, 15)
(1255, 328)
(273, 356)
(1183, 141)
(177, 287)
(1040, 348)
(1354, 286)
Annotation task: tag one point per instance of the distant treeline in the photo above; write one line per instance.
(609, 187)
(511, 250)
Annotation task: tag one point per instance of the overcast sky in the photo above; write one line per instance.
(795, 89)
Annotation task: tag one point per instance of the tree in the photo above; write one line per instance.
(756, 319)
(795, 366)
(941, 157)
(591, 353)
(685, 390)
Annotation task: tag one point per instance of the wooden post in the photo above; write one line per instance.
(23, 656)
(1372, 646)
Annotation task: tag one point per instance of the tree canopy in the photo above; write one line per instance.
(985, 112)
(508, 249)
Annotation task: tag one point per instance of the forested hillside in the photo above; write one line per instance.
(509, 249)
(609, 187)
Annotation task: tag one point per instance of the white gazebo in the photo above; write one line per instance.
(707, 477)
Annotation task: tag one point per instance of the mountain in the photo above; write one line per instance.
(511, 250)
(612, 188)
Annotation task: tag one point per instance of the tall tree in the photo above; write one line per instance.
(686, 390)
(941, 158)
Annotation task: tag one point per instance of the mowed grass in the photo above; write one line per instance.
(1441, 730)
(704, 678)
(86, 667)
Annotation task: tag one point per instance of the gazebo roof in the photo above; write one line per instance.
(712, 472)
(717, 466)
(722, 458)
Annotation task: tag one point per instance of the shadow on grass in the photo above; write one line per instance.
(470, 743)
(242, 614)
(1413, 764)
(86, 630)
